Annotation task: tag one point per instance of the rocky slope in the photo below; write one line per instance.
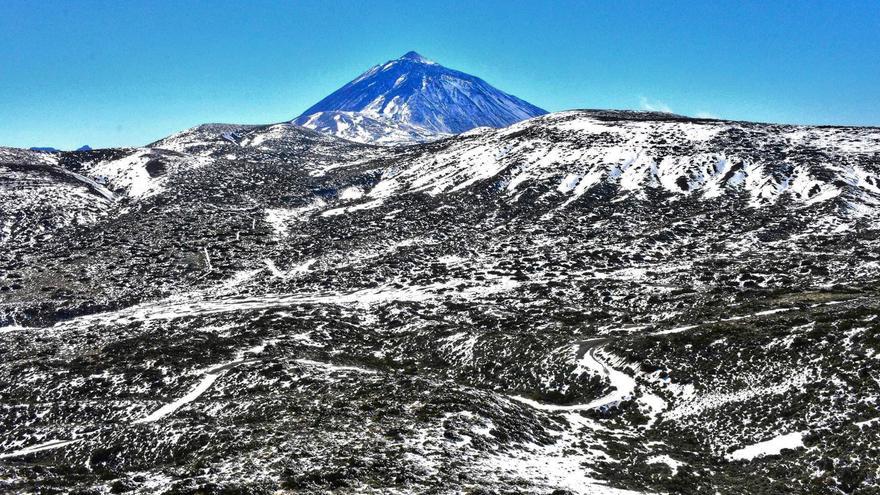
(588, 301)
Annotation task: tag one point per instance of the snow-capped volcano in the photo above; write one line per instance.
(413, 99)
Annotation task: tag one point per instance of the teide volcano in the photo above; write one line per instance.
(413, 99)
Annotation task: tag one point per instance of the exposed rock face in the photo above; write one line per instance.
(591, 301)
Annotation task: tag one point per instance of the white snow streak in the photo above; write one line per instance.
(52, 444)
(769, 447)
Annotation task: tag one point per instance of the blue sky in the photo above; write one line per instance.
(110, 73)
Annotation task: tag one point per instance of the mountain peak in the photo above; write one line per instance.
(421, 100)
(413, 56)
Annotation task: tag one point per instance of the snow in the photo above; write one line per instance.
(675, 330)
(334, 367)
(351, 193)
(238, 278)
(684, 328)
(771, 311)
(622, 384)
(689, 403)
(52, 444)
(100, 189)
(476, 131)
(568, 183)
(460, 346)
(301, 268)
(210, 376)
(769, 447)
(627, 158)
(273, 269)
(451, 260)
(563, 464)
(868, 422)
(411, 100)
(294, 270)
(192, 395)
(588, 363)
(655, 404)
(205, 303)
(367, 128)
(669, 461)
(415, 57)
(585, 126)
(130, 174)
(13, 328)
(552, 467)
(280, 218)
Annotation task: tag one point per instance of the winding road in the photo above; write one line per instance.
(623, 386)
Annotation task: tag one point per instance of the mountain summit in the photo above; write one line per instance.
(413, 99)
(415, 57)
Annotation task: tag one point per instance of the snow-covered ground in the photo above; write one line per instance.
(769, 447)
(51, 444)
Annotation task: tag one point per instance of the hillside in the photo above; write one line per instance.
(587, 301)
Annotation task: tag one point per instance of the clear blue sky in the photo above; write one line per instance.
(129, 72)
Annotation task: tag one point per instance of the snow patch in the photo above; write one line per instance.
(769, 447)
